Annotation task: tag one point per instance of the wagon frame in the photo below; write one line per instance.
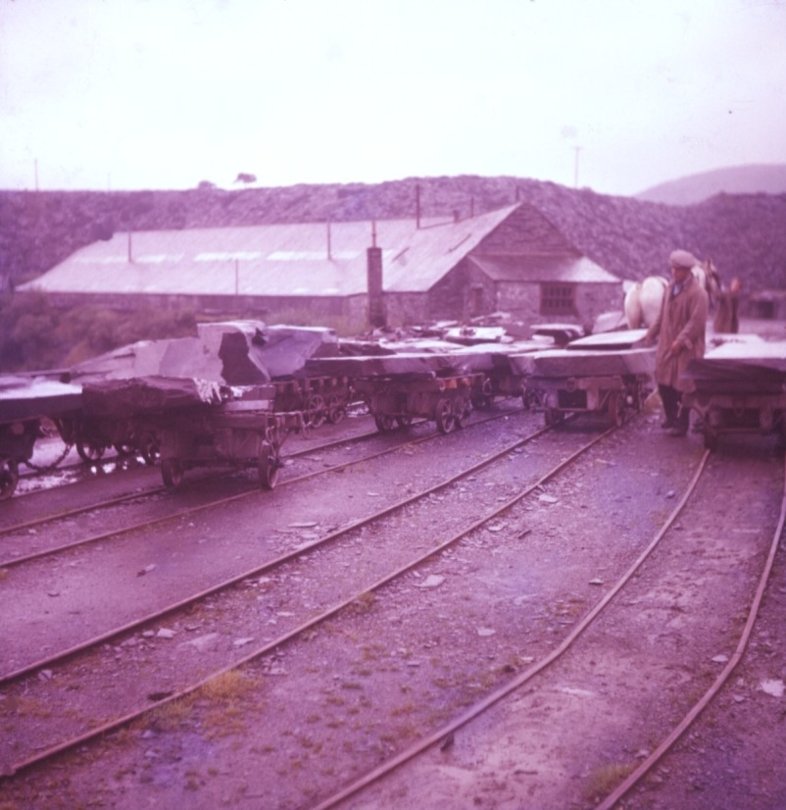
(239, 434)
(725, 412)
(395, 400)
(614, 394)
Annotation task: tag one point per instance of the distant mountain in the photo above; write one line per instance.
(767, 178)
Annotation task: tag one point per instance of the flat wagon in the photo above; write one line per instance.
(400, 387)
(238, 434)
(740, 387)
(603, 374)
(197, 423)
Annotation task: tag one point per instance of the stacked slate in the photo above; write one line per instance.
(610, 341)
(745, 365)
(23, 398)
(571, 362)
(408, 365)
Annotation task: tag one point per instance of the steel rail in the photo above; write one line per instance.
(84, 645)
(78, 510)
(117, 723)
(647, 764)
(96, 538)
(487, 702)
(5, 530)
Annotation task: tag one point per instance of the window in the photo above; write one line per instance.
(557, 299)
(476, 300)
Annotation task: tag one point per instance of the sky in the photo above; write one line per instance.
(614, 95)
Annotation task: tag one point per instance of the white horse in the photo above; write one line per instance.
(643, 299)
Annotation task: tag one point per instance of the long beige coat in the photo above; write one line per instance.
(682, 318)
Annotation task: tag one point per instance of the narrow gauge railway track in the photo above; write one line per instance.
(363, 787)
(312, 622)
(155, 490)
(53, 659)
(667, 744)
(15, 561)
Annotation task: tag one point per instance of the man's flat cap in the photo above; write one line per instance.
(683, 258)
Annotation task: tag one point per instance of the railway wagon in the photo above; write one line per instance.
(605, 374)
(740, 387)
(320, 398)
(239, 434)
(197, 423)
(394, 400)
(441, 387)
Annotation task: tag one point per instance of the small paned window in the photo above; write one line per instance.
(557, 299)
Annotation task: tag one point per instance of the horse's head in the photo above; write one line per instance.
(709, 278)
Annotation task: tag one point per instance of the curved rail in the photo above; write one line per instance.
(481, 706)
(62, 655)
(78, 510)
(14, 561)
(315, 620)
(647, 764)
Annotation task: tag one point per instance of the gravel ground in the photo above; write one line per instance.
(308, 718)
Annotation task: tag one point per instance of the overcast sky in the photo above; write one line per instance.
(129, 94)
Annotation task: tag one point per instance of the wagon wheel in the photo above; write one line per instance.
(553, 416)
(530, 399)
(150, 448)
(9, 475)
(172, 472)
(385, 422)
(336, 410)
(404, 420)
(462, 408)
(125, 448)
(444, 416)
(485, 398)
(615, 407)
(268, 466)
(316, 411)
(89, 450)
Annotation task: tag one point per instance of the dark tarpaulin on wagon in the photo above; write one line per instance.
(129, 397)
(233, 352)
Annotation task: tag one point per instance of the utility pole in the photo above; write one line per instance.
(576, 167)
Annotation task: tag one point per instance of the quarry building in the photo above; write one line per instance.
(386, 272)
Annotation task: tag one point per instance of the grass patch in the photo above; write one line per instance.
(604, 779)
(228, 686)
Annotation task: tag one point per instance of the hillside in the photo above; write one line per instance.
(754, 179)
(744, 234)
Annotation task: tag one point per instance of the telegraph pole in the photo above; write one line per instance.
(576, 167)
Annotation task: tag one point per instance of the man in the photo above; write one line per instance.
(727, 319)
(680, 331)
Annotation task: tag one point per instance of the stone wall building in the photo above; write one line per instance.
(512, 259)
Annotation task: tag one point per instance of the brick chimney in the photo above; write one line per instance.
(376, 301)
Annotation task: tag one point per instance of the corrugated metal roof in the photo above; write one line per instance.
(292, 259)
(536, 268)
